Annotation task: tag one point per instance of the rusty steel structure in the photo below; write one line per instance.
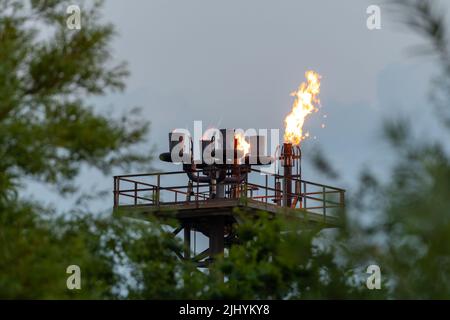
(203, 196)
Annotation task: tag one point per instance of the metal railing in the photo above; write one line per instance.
(167, 188)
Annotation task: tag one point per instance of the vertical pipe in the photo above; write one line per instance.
(278, 192)
(189, 191)
(235, 170)
(118, 191)
(198, 190)
(116, 200)
(267, 177)
(135, 193)
(298, 192)
(287, 179)
(158, 179)
(245, 189)
(220, 190)
(304, 195)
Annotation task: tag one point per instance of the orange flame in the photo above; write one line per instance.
(242, 145)
(306, 99)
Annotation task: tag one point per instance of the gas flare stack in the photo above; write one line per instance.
(224, 176)
(290, 160)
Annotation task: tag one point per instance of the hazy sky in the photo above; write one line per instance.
(234, 64)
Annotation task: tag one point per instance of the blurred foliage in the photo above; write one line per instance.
(48, 131)
(47, 72)
(281, 258)
(35, 252)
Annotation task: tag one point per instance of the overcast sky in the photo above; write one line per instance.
(234, 63)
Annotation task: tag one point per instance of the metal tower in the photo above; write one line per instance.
(203, 195)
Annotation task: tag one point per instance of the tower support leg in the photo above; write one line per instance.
(216, 241)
